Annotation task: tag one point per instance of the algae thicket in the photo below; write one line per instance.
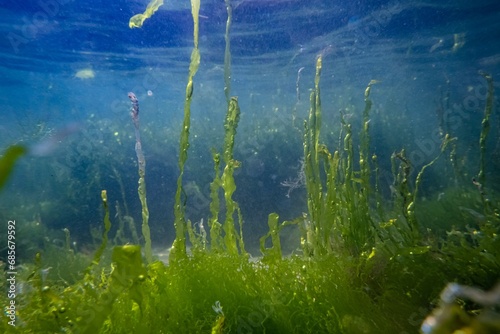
(366, 263)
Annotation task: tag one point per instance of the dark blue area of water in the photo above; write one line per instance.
(61, 30)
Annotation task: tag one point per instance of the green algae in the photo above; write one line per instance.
(107, 227)
(339, 213)
(340, 283)
(227, 52)
(485, 128)
(227, 179)
(7, 161)
(145, 217)
(224, 237)
(137, 20)
(179, 246)
(214, 224)
(232, 242)
(312, 166)
(362, 268)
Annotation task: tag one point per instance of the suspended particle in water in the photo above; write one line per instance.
(150, 93)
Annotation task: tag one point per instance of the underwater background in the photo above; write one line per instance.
(371, 129)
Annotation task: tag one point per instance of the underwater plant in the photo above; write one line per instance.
(365, 264)
(137, 20)
(141, 161)
(179, 245)
(8, 160)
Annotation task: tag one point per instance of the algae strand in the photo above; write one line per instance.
(227, 178)
(179, 246)
(365, 140)
(137, 20)
(214, 224)
(274, 253)
(485, 128)
(107, 227)
(8, 160)
(227, 52)
(141, 189)
(314, 187)
(127, 274)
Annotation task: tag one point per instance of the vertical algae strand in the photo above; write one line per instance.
(227, 53)
(107, 227)
(230, 125)
(179, 246)
(485, 128)
(311, 161)
(412, 220)
(215, 226)
(231, 207)
(317, 219)
(141, 189)
(364, 192)
(145, 220)
(137, 20)
(317, 102)
(227, 179)
(365, 139)
(275, 238)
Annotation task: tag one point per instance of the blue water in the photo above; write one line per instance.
(420, 51)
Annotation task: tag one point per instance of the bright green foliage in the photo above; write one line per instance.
(137, 20)
(273, 253)
(82, 307)
(215, 226)
(294, 295)
(8, 160)
(341, 215)
(338, 203)
(127, 275)
(232, 241)
(219, 325)
(107, 227)
(227, 178)
(312, 169)
(179, 246)
(230, 125)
